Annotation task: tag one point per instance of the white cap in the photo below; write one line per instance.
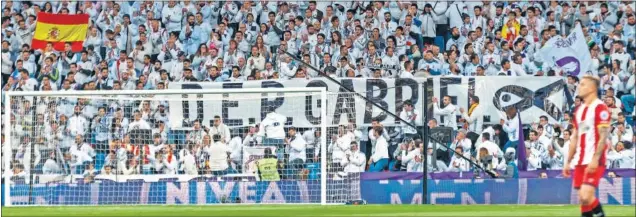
(510, 150)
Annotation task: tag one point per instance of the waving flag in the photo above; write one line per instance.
(59, 29)
(521, 148)
(571, 54)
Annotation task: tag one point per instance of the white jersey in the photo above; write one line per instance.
(588, 118)
(273, 126)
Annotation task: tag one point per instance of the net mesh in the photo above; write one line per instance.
(201, 148)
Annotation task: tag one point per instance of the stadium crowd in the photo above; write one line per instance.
(146, 45)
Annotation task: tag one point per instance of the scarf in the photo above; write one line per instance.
(146, 151)
(472, 108)
(170, 157)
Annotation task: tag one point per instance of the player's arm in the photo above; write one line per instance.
(602, 124)
(603, 135)
(572, 149)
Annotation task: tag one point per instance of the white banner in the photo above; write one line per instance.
(253, 154)
(534, 96)
(571, 54)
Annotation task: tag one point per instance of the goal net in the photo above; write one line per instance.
(207, 146)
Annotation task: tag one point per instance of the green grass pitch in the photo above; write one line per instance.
(314, 210)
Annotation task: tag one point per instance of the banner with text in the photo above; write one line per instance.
(192, 192)
(616, 191)
(535, 96)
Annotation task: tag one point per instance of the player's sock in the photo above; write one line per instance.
(597, 209)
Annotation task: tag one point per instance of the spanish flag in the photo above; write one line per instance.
(59, 29)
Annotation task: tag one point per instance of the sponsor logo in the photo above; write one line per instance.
(604, 115)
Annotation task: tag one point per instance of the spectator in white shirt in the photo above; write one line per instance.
(511, 127)
(219, 155)
(448, 113)
(82, 152)
(340, 144)
(172, 16)
(107, 171)
(313, 139)
(6, 60)
(621, 156)
(26, 83)
(166, 162)
(517, 66)
(372, 137)
(251, 137)
(51, 166)
(287, 68)
(493, 149)
(221, 129)
(296, 150)
(197, 133)
(534, 159)
(412, 115)
(272, 128)
(139, 123)
(380, 158)
(462, 141)
(188, 160)
(77, 124)
(548, 129)
(353, 161)
(473, 117)
(552, 159)
(90, 170)
(457, 163)
(412, 158)
(621, 133)
(236, 147)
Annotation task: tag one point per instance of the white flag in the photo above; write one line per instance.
(571, 54)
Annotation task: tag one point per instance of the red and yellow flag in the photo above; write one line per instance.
(59, 29)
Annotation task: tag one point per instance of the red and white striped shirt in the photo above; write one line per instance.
(588, 118)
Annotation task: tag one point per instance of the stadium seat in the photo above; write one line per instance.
(439, 41)
(314, 171)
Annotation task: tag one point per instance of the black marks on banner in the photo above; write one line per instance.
(309, 103)
(376, 92)
(186, 105)
(399, 93)
(523, 98)
(274, 104)
(345, 103)
(227, 104)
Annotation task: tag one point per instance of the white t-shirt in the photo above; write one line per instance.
(273, 126)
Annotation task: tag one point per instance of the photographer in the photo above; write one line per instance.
(512, 171)
(492, 149)
(486, 160)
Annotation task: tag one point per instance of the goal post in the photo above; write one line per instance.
(160, 147)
